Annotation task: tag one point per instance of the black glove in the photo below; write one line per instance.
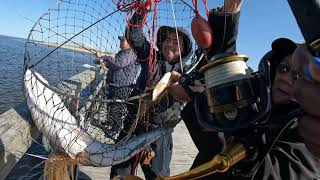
(96, 61)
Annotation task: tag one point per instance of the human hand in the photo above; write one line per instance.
(179, 93)
(232, 6)
(100, 62)
(300, 60)
(145, 8)
(176, 90)
(97, 54)
(170, 117)
(305, 91)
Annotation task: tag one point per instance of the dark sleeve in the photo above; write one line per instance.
(286, 161)
(307, 15)
(137, 39)
(207, 143)
(225, 30)
(143, 77)
(289, 161)
(283, 158)
(122, 59)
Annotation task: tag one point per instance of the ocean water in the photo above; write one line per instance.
(59, 66)
(11, 72)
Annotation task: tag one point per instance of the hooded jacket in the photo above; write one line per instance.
(123, 70)
(141, 46)
(285, 157)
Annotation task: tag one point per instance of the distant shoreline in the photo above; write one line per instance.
(75, 48)
(66, 46)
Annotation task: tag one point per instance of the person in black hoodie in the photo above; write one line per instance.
(288, 158)
(285, 157)
(306, 60)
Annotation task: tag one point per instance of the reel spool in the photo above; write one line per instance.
(234, 94)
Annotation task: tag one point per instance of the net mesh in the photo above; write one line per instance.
(71, 103)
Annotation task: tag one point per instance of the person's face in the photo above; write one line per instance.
(124, 44)
(170, 48)
(300, 58)
(282, 88)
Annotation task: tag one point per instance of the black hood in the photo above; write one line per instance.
(161, 36)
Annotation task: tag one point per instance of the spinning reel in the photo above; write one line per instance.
(236, 97)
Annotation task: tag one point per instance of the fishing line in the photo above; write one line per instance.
(37, 156)
(175, 25)
(72, 38)
(224, 25)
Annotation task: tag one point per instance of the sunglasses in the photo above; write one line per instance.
(284, 68)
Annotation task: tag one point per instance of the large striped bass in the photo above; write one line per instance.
(59, 126)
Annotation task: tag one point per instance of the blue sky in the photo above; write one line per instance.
(261, 22)
(13, 14)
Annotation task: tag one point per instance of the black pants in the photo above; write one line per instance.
(112, 115)
(159, 165)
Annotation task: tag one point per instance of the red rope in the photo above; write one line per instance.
(196, 11)
(195, 4)
(206, 6)
(136, 162)
(153, 55)
(131, 7)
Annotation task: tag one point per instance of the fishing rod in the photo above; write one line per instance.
(68, 40)
(90, 50)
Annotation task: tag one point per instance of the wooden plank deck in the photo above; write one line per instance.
(184, 151)
(15, 137)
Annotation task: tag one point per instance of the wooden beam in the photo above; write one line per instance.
(16, 134)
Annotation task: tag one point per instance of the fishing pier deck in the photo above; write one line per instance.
(184, 152)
